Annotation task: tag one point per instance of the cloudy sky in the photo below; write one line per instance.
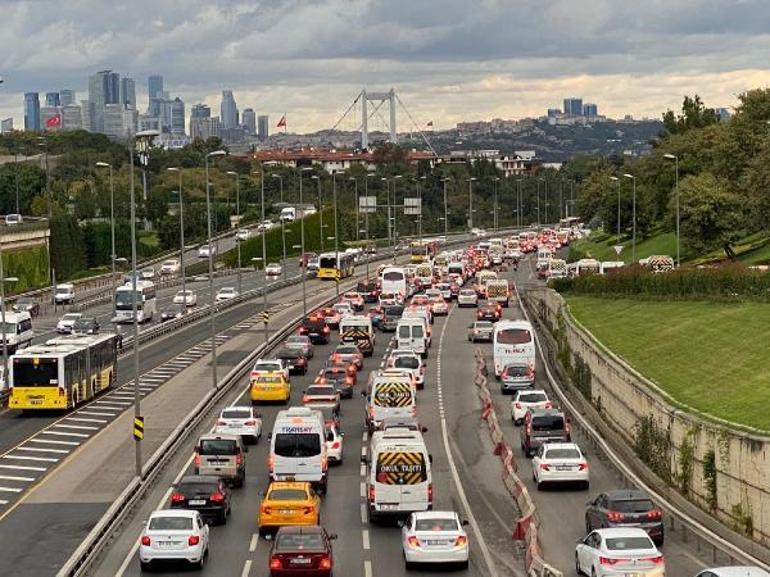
(450, 60)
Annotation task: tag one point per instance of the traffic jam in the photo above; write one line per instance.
(304, 398)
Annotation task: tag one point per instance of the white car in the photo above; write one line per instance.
(243, 234)
(203, 251)
(733, 572)
(273, 269)
(343, 308)
(619, 551)
(560, 463)
(407, 359)
(226, 293)
(64, 326)
(174, 535)
(64, 294)
(172, 266)
(526, 400)
(334, 438)
(147, 273)
(467, 298)
(434, 537)
(439, 306)
(264, 366)
(240, 420)
(186, 297)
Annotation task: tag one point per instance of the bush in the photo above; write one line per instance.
(29, 265)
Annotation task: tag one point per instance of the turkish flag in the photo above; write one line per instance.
(282, 122)
(53, 122)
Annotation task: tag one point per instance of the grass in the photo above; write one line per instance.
(599, 246)
(710, 356)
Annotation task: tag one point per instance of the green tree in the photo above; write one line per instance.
(67, 247)
(694, 115)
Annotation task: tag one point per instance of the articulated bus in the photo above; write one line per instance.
(64, 372)
(336, 266)
(422, 251)
(146, 302)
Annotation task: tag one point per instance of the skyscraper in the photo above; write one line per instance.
(155, 86)
(103, 89)
(228, 110)
(66, 97)
(87, 118)
(250, 121)
(199, 113)
(72, 117)
(177, 116)
(52, 99)
(31, 111)
(263, 127)
(128, 92)
(48, 113)
(590, 110)
(6, 125)
(573, 106)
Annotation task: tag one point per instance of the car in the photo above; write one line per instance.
(343, 308)
(273, 269)
(243, 234)
(266, 366)
(64, 294)
(306, 257)
(355, 299)
(445, 289)
(299, 551)
(626, 508)
(301, 342)
(489, 312)
(209, 495)
(172, 311)
(85, 326)
(516, 376)
(27, 305)
(288, 503)
(369, 290)
(221, 455)
(240, 420)
(171, 266)
(269, 387)
(331, 317)
(203, 251)
(334, 443)
(525, 400)
(186, 297)
(348, 353)
(480, 331)
(390, 317)
(408, 360)
(618, 552)
(733, 572)
(434, 537)
(339, 377)
(294, 359)
(439, 306)
(315, 328)
(13, 219)
(64, 326)
(313, 264)
(560, 463)
(543, 426)
(329, 412)
(174, 535)
(225, 294)
(406, 423)
(147, 273)
(263, 227)
(467, 298)
(321, 394)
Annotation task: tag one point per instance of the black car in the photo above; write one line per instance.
(489, 312)
(626, 508)
(368, 290)
(172, 312)
(316, 329)
(85, 326)
(340, 378)
(27, 305)
(294, 359)
(390, 317)
(207, 494)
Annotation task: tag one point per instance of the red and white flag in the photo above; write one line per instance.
(282, 122)
(53, 122)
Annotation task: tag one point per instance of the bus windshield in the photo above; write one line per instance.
(514, 337)
(123, 300)
(297, 445)
(44, 373)
(327, 262)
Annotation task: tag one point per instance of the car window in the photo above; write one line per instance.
(628, 543)
(190, 489)
(287, 495)
(632, 505)
(312, 542)
(170, 524)
(562, 454)
(532, 397)
(548, 423)
(218, 447)
(436, 525)
(236, 414)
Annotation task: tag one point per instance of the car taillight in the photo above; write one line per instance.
(197, 459)
(548, 404)
(177, 498)
(307, 510)
(372, 493)
(324, 464)
(656, 560)
(326, 329)
(326, 562)
(461, 541)
(271, 463)
(608, 561)
(336, 445)
(615, 516)
(545, 467)
(221, 423)
(250, 423)
(583, 467)
(413, 541)
(239, 459)
(320, 381)
(193, 540)
(217, 498)
(146, 541)
(414, 410)
(303, 331)
(305, 399)
(430, 493)
(655, 515)
(348, 381)
(265, 510)
(275, 563)
(517, 405)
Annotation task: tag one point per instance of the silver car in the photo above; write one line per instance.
(480, 331)
(733, 572)
(467, 298)
(243, 421)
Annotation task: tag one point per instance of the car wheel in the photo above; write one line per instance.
(222, 519)
(464, 564)
(577, 565)
(145, 567)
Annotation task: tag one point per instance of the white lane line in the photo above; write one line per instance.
(114, 402)
(10, 490)
(64, 434)
(363, 451)
(367, 569)
(23, 468)
(365, 437)
(97, 414)
(37, 450)
(54, 442)
(3, 502)
(76, 427)
(19, 479)
(254, 542)
(492, 569)
(363, 489)
(363, 513)
(365, 538)
(363, 470)
(246, 568)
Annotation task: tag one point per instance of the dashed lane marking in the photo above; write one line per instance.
(54, 442)
(19, 479)
(367, 569)
(253, 543)
(246, 568)
(39, 450)
(365, 539)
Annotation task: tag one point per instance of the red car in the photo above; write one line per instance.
(490, 312)
(308, 256)
(302, 551)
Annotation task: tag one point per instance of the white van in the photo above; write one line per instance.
(64, 294)
(389, 396)
(288, 214)
(18, 331)
(358, 329)
(412, 333)
(399, 479)
(298, 447)
(513, 342)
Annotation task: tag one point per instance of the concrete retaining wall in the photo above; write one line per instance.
(627, 400)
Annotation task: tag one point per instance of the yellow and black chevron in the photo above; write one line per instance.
(395, 394)
(359, 336)
(401, 468)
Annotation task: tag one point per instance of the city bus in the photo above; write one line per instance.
(336, 266)
(393, 281)
(63, 372)
(146, 302)
(422, 250)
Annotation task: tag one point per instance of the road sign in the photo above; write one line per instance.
(138, 428)
(367, 204)
(618, 248)
(265, 317)
(413, 206)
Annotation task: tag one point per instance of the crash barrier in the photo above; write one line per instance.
(527, 524)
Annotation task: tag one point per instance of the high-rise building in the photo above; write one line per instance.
(149, 122)
(250, 121)
(71, 117)
(128, 92)
(263, 127)
(87, 115)
(67, 97)
(155, 86)
(200, 111)
(31, 111)
(6, 125)
(205, 127)
(573, 106)
(177, 116)
(199, 114)
(52, 99)
(119, 121)
(103, 89)
(590, 110)
(228, 110)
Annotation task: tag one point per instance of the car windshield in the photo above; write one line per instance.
(516, 370)
(170, 524)
(548, 423)
(192, 488)
(394, 311)
(435, 525)
(562, 454)
(297, 445)
(320, 391)
(334, 375)
(342, 308)
(287, 495)
(628, 543)
(71, 317)
(532, 397)
(302, 341)
(632, 506)
(468, 293)
(406, 362)
(236, 413)
(484, 325)
(310, 542)
(218, 447)
(347, 350)
(267, 367)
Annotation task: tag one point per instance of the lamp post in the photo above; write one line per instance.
(675, 158)
(355, 194)
(336, 232)
(320, 209)
(392, 216)
(470, 200)
(518, 201)
(633, 213)
(212, 308)
(112, 227)
(178, 170)
(419, 194)
(283, 229)
(302, 243)
(238, 217)
(261, 173)
(446, 207)
(4, 280)
(616, 179)
(496, 180)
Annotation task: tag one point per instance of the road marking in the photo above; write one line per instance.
(35, 449)
(254, 541)
(23, 468)
(365, 537)
(365, 437)
(10, 490)
(81, 420)
(246, 568)
(363, 451)
(20, 479)
(77, 427)
(363, 513)
(363, 489)
(54, 442)
(95, 414)
(363, 470)
(64, 434)
(3, 502)
(367, 569)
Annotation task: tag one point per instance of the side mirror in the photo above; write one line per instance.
(400, 523)
(465, 523)
(333, 537)
(430, 459)
(269, 436)
(363, 394)
(342, 434)
(423, 429)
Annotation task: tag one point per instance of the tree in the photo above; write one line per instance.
(756, 185)
(67, 248)
(694, 115)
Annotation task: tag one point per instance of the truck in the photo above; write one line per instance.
(498, 291)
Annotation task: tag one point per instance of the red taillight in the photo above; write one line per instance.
(655, 515)
(177, 498)
(615, 516)
(545, 467)
(336, 445)
(270, 463)
(548, 405)
(461, 541)
(583, 467)
(430, 493)
(275, 563)
(146, 541)
(250, 423)
(61, 392)
(608, 561)
(326, 563)
(303, 331)
(221, 423)
(217, 498)
(326, 329)
(239, 459)
(197, 459)
(193, 540)
(266, 510)
(517, 405)
(656, 560)
(372, 493)
(348, 381)
(308, 510)
(413, 541)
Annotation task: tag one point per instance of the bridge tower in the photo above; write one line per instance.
(380, 98)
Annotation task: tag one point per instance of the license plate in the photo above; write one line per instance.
(195, 502)
(564, 468)
(166, 544)
(388, 507)
(286, 511)
(301, 561)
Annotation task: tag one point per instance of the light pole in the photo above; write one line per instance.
(392, 216)
(355, 193)
(283, 228)
(518, 201)
(419, 194)
(178, 170)
(261, 173)
(320, 209)
(112, 227)
(4, 280)
(43, 141)
(616, 179)
(212, 308)
(496, 180)
(675, 158)
(633, 217)
(446, 207)
(470, 200)
(539, 180)
(336, 232)
(545, 199)
(302, 242)
(368, 208)
(238, 217)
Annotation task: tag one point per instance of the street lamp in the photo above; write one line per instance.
(633, 217)
(446, 207)
(675, 158)
(283, 228)
(238, 217)
(302, 241)
(4, 280)
(496, 180)
(320, 209)
(261, 173)
(336, 233)
(355, 193)
(392, 216)
(178, 170)
(470, 200)
(212, 309)
(616, 179)
(112, 226)
(518, 201)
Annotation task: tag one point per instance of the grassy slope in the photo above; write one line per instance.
(711, 356)
(599, 246)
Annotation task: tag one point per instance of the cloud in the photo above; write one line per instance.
(450, 59)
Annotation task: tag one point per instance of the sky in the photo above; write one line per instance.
(448, 60)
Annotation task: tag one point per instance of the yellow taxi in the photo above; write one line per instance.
(288, 503)
(270, 387)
